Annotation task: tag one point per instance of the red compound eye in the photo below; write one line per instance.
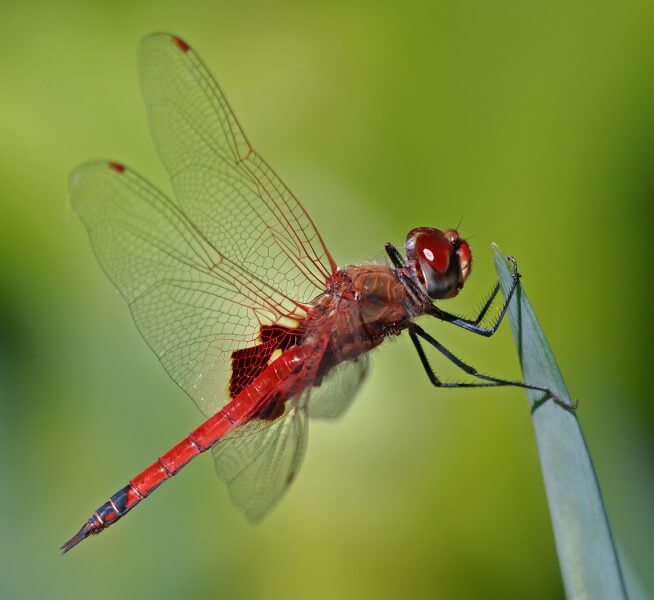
(465, 253)
(435, 250)
(442, 260)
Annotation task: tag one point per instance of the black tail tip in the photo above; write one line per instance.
(81, 535)
(90, 527)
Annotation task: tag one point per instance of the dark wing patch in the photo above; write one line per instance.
(248, 363)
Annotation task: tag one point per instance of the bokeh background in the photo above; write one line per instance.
(533, 123)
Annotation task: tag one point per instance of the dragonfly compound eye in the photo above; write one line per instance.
(441, 259)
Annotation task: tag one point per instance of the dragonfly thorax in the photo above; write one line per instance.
(362, 306)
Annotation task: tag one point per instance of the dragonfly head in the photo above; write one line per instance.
(441, 259)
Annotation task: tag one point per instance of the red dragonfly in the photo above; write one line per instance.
(235, 291)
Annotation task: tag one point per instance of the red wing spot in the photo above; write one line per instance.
(114, 166)
(181, 44)
(248, 363)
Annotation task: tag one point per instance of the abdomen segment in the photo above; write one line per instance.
(273, 381)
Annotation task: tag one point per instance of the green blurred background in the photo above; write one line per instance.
(532, 122)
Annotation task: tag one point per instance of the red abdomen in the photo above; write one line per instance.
(274, 384)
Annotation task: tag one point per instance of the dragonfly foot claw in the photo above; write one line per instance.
(513, 261)
(566, 404)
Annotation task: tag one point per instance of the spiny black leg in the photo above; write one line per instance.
(394, 255)
(416, 330)
(482, 311)
(405, 278)
(487, 304)
(469, 324)
(435, 379)
(473, 325)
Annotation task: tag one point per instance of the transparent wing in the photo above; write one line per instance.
(258, 464)
(225, 188)
(335, 394)
(260, 460)
(192, 304)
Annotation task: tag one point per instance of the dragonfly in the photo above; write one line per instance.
(234, 289)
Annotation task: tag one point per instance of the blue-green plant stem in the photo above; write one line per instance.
(587, 554)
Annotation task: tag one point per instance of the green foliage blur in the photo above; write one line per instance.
(532, 124)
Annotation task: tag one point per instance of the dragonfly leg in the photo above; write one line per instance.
(399, 263)
(487, 304)
(394, 255)
(415, 331)
(473, 324)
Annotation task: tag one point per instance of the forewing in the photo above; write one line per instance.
(260, 460)
(224, 186)
(335, 394)
(193, 305)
